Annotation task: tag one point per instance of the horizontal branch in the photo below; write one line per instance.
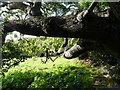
(61, 27)
(94, 28)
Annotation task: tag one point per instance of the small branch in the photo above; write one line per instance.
(91, 7)
(85, 13)
(62, 48)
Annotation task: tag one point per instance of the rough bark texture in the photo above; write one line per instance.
(115, 8)
(92, 27)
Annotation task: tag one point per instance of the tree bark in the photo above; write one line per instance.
(115, 8)
(63, 27)
(95, 28)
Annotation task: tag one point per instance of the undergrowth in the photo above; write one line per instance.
(33, 74)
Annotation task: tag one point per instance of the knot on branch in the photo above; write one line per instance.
(52, 21)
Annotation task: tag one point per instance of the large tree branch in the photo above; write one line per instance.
(91, 28)
(99, 29)
(60, 27)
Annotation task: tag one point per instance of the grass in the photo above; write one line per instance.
(62, 73)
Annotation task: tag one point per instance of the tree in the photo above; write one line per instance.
(85, 24)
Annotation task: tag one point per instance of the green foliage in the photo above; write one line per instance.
(115, 74)
(0, 81)
(62, 73)
(58, 9)
(16, 52)
(52, 43)
(55, 43)
(32, 47)
(85, 5)
(20, 49)
(102, 5)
